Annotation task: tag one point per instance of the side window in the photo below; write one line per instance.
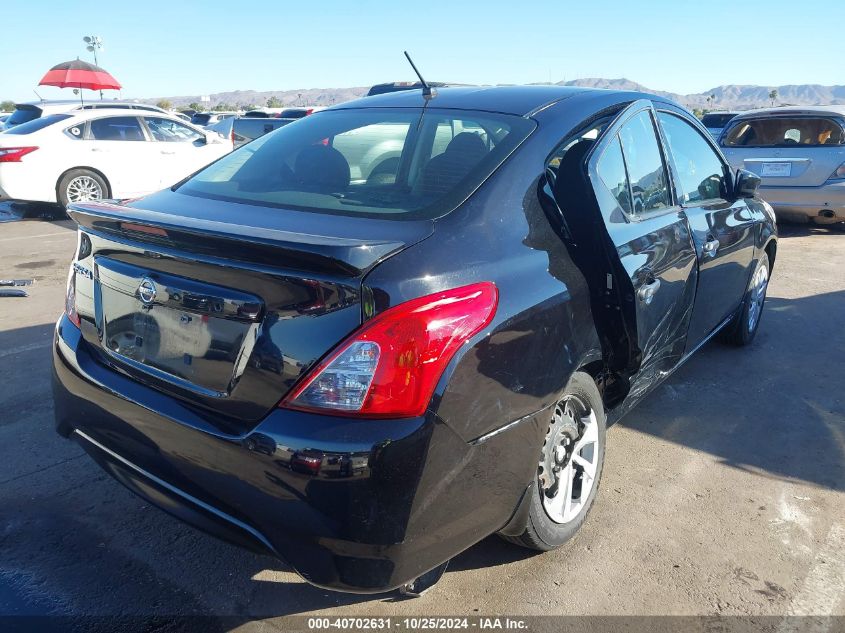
(701, 174)
(169, 131)
(611, 170)
(646, 171)
(117, 128)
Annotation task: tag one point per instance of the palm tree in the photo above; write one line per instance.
(773, 94)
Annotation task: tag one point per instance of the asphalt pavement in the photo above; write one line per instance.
(723, 493)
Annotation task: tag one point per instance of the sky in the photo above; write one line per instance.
(159, 48)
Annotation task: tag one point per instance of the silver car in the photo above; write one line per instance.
(799, 152)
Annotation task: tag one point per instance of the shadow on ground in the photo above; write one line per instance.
(39, 211)
(791, 424)
(73, 539)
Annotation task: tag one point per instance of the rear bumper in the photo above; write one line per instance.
(807, 202)
(16, 184)
(362, 506)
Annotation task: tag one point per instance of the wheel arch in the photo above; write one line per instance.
(771, 249)
(86, 168)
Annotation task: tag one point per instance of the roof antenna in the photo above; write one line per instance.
(40, 98)
(427, 91)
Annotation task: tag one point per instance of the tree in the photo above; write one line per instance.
(195, 106)
(773, 95)
(7, 106)
(274, 102)
(165, 104)
(223, 107)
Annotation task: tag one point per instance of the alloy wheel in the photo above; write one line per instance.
(759, 283)
(84, 189)
(567, 473)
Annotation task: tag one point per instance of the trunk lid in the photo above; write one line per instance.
(223, 305)
(798, 167)
(793, 148)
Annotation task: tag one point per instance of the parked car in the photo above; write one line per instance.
(204, 119)
(799, 153)
(298, 113)
(715, 122)
(94, 154)
(33, 110)
(243, 130)
(446, 338)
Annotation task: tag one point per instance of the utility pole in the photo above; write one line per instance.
(93, 44)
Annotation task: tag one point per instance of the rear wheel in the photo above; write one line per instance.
(569, 469)
(81, 185)
(743, 329)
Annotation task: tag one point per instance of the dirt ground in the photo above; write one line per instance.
(723, 493)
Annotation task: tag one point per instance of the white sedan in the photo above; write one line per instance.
(94, 154)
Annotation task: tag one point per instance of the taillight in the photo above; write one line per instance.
(14, 154)
(390, 367)
(70, 298)
(839, 173)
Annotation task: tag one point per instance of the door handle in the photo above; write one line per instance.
(646, 292)
(710, 247)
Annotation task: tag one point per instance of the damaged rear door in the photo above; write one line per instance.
(632, 242)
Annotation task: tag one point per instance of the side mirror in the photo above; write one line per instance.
(746, 184)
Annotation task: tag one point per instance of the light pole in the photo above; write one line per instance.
(93, 44)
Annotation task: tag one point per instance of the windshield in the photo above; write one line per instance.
(807, 131)
(23, 114)
(403, 163)
(37, 124)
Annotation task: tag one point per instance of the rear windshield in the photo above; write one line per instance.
(37, 124)
(201, 119)
(716, 120)
(404, 163)
(784, 131)
(23, 114)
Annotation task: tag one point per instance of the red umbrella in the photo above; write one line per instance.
(79, 74)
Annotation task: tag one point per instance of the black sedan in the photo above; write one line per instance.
(365, 342)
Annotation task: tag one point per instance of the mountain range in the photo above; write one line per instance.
(728, 97)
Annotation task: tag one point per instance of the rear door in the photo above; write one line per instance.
(787, 151)
(722, 226)
(118, 147)
(651, 237)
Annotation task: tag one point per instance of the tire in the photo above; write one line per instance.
(546, 529)
(742, 330)
(74, 184)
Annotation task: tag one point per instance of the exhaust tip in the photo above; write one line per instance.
(827, 213)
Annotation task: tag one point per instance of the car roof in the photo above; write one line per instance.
(75, 103)
(100, 113)
(795, 110)
(519, 100)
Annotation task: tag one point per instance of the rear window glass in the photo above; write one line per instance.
(716, 120)
(22, 115)
(404, 163)
(783, 131)
(37, 124)
(201, 119)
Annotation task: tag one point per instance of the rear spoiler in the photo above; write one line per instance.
(273, 247)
